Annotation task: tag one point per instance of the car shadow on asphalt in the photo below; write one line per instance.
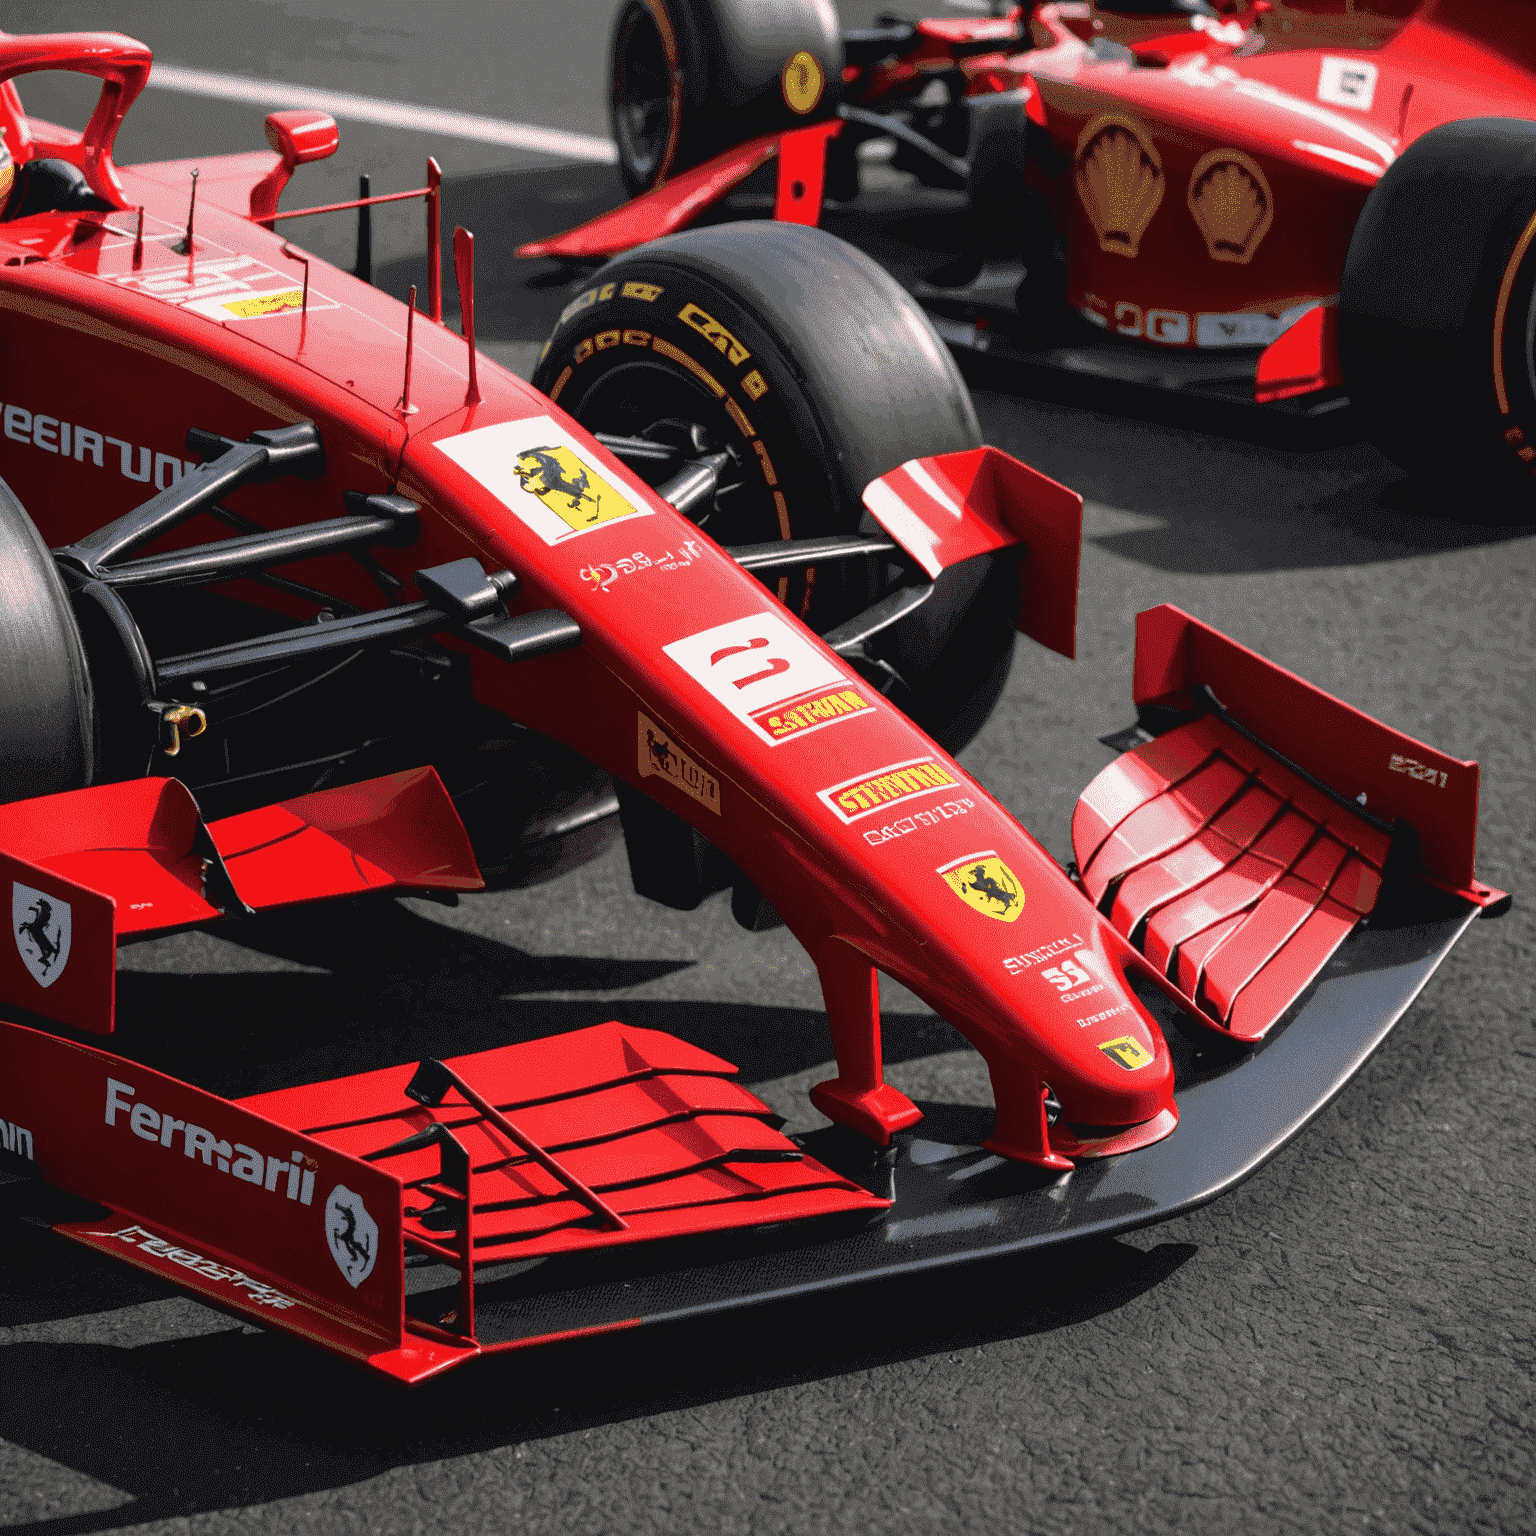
(237, 1418)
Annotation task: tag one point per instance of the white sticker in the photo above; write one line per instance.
(1347, 83)
(538, 471)
(353, 1234)
(754, 665)
(42, 927)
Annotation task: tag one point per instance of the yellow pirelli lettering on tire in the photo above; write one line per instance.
(702, 374)
(737, 415)
(647, 293)
(754, 386)
(714, 333)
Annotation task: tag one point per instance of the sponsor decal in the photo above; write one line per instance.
(1172, 327)
(1232, 204)
(162, 1248)
(1126, 1051)
(1015, 964)
(42, 925)
(39, 430)
(1347, 83)
(714, 333)
(934, 816)
(538, 471)
(802, 81)
(602, 575)
(295, 1172)
(983, 881)
(782, 721)
(1107, 1013)
(1119, 176)
(17, 1140)
(1072, 979)
(854, 799)
(661, 757)
(1416, 770)
(226, 288)
(775, 681)
(353, 1233)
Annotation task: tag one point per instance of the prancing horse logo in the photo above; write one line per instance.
(569, 487)
(42, 927)
(353, 1234)
(982, 881)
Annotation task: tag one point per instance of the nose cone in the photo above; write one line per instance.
(1101, 1051)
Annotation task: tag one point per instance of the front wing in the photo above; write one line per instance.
(748, 1216)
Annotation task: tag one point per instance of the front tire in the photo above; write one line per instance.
(1437, 309)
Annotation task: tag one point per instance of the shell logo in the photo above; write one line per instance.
(1119, 176)
(1230, 199)
(802, 82)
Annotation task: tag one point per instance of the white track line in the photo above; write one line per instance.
(393, 114)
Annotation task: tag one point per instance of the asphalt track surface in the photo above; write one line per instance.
(1344, 1343)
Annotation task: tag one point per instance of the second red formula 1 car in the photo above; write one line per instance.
(1288, 202)
(306, 599)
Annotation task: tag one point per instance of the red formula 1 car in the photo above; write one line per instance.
(1279, 201)
(304, 599)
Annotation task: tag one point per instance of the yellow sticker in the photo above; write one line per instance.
(983, 881)
(803, 82)
(266, 304)
(570, 487)
(1126, 1051)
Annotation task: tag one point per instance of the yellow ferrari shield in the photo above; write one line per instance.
(570, 487)
(983, 881)
(1127, 1052)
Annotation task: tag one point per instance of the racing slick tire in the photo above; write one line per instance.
(690, 78)
(46, 713)
(1437, 309)
(819, 373)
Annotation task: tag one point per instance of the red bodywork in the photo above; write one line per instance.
(1206, 185)
(882, 853)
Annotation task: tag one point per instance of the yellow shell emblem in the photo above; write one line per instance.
(803, 81)
(1120, 180)
(570, 487)
(1126, 1051)
(984, 882)
(1230, 199)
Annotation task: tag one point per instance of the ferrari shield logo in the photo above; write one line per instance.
(353, 1234)
(41, 926)
(570, 487)
(983, 881)
(1127, 1052)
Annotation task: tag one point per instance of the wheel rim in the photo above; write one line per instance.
(642, 96)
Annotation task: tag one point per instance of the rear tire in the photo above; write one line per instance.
(46, 716)
(828, 375)
(1437, 309)
(691, 78)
